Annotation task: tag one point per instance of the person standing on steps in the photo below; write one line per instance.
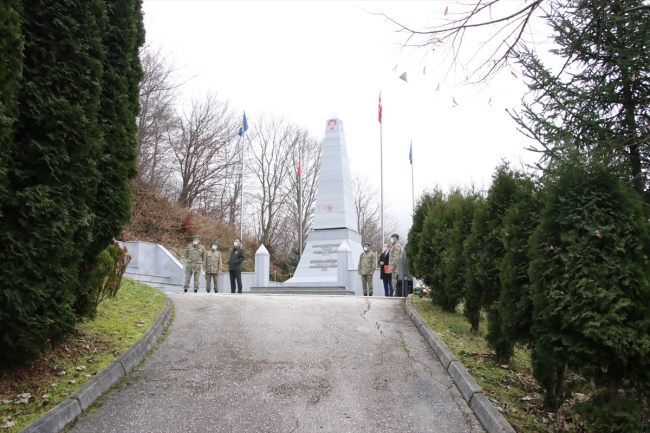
(194, 255)
(234, 266)
(212, 265)
(395, 260)
(386, 277)
(367, 264)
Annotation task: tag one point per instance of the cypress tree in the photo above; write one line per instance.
(474, 244)
(516, 302)
(11, 47)
(500, 198)
(52, 174)
(122, 36)
(590, 276)
(416, 241)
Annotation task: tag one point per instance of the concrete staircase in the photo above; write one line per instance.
(302, 290)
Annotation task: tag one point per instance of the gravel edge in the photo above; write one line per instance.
(57, 418)
(487, 414)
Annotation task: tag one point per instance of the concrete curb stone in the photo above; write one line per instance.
(487, 414)
(134, 354)
(480, 404)
(463, 380)
(101, 383)
(57, 418)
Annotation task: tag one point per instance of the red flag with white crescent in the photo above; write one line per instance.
(379, 107)
(299, 167)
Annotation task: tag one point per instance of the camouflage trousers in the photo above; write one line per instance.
(366, 283)
(195, 270)
(208, 282)
(394, 278)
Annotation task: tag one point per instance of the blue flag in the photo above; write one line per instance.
(243, 126)
(411, 154)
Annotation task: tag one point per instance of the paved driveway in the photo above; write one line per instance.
(253, 363)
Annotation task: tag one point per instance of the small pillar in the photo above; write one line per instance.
(262, 267)
(343, 258)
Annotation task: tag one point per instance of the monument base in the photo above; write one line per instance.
(318, 263)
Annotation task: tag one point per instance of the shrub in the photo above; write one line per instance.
(590, 274)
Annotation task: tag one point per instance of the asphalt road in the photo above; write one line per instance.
(254, 363)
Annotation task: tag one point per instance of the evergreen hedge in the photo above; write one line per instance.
(590, 275)
(68, 158)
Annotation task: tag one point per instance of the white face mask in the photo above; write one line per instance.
(365, 248)
(196, 242)
(236, 244)
(393, 240)
(214, 247)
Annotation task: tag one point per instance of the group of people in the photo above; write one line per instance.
(198, 257)
(389, 263)
(210, 261)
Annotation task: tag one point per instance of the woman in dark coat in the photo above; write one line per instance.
(387, 278)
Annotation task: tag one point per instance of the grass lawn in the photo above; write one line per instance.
(511, 387)
(31, 390)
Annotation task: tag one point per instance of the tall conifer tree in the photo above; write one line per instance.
(52, 174)
(11, 51)
(121, 39)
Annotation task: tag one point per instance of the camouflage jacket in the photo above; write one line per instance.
(367, 262)
(212, 262)
(395, 259)
(194, 254)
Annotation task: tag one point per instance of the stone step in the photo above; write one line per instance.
(146, 278)
(302, 290)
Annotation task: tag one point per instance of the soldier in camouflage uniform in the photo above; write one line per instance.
(212, 266)
(194, 254)
(395, 259)
(367, 265)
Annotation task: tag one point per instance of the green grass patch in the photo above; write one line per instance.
(510, 387)
(29, 391)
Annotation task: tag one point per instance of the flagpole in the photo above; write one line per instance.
(381, 169)
(241, 215)
(299, 205)
(412, 177)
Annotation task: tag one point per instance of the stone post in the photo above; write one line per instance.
(262, 267)
(343, 258)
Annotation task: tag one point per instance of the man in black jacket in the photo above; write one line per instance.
(234, 266)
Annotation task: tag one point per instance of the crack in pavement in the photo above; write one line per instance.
(297, 425)
(380, 331)
(366, 310)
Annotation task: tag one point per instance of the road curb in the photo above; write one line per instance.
(57, 418)
(472, 393)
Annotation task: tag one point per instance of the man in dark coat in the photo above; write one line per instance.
(386, 277)
(234, 266)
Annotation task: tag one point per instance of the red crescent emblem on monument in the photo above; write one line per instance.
(325, 208)
(331, 123)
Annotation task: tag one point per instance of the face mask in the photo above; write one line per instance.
(236, 244)
(365, 248)
(393, 240)
(196, 242)
(214, 247)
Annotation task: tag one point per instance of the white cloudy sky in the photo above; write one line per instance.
(308, 60)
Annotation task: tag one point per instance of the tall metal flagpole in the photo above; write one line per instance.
(381, 171)
(241, 215)
(299, 205)
(412, 182)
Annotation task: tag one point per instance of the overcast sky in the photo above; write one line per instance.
(309, 60)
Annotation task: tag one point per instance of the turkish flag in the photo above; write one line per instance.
(299, 168)
(379, 107)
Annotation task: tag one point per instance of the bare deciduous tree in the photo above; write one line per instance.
(156, 119)
(368, 207)
(204, 148)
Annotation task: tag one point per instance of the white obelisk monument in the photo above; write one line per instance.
(335, 217)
